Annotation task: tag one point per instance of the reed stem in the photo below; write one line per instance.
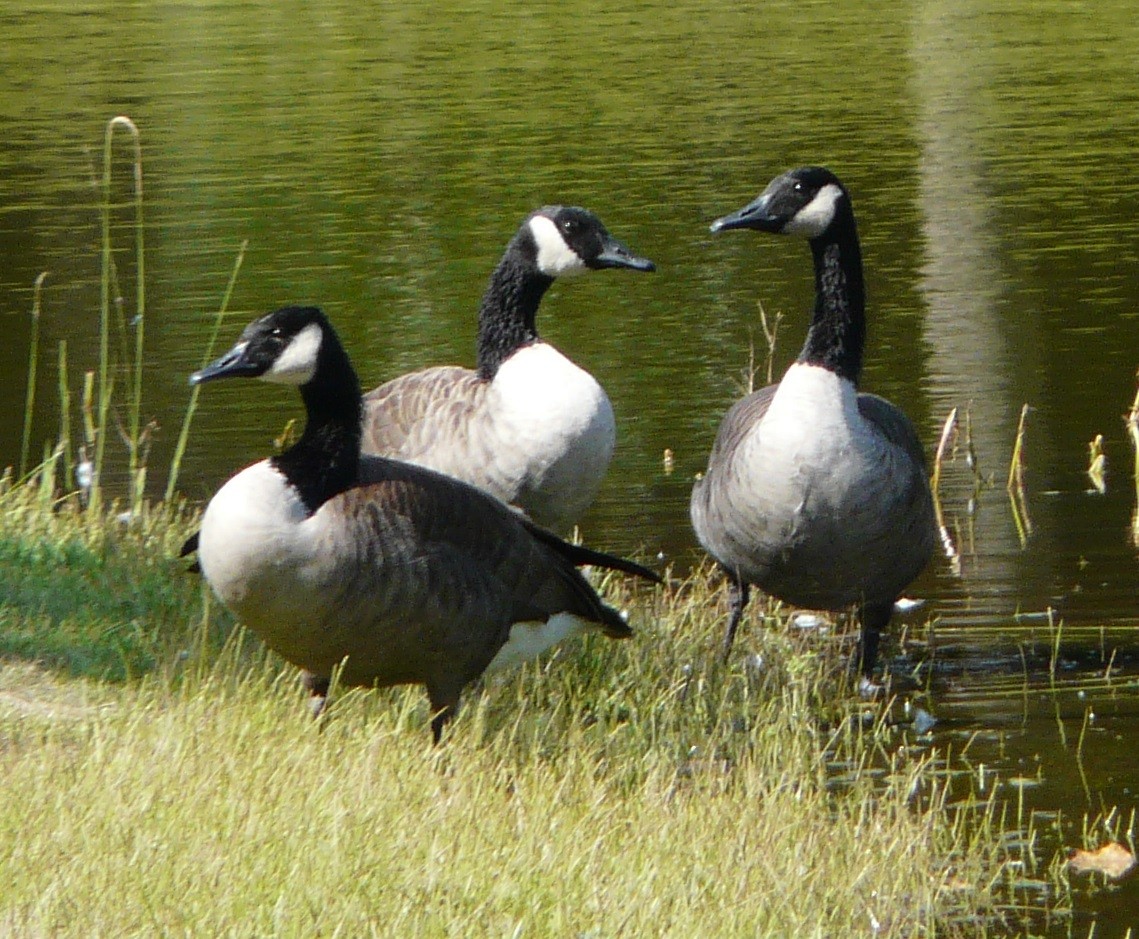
(184, 434)
(65, 415)
(948, 431)
(105, 383)
(1132, 422)
(1097, 464)
(33, 361)
(1015, 485)
(771, 334)
(1016, 464)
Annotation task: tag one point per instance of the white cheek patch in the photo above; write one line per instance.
(297, 363)
(555, 257)
(815, 217)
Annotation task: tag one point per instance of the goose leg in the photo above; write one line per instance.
(738, 591)
(444, 706)
(874, 618)
(317, 687)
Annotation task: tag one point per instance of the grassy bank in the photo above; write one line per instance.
(161, 776)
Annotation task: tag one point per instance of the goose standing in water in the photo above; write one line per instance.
(527, 425)
(400, 574)
(815, 493)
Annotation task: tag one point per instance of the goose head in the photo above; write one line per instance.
(806, 202)
(568, 240)
(296, 345)
(283, 347)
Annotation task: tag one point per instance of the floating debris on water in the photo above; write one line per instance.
(1112, 860)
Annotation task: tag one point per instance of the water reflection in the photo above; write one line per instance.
(962, 284)
(1044, 703)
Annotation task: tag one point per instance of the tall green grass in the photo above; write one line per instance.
(99, 385)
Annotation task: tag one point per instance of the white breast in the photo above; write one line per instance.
(250, 529)
(813, 411)
(813, 460)
(555, 428)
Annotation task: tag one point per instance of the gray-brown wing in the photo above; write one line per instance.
(741, 418)
(894, 425)
(913, 521)
(454, 531)
(705, 510)
(408, 415)
(419, 578)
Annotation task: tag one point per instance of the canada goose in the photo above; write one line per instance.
(527, 425)
(402, 574)
(815, 493)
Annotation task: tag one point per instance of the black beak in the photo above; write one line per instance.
(234, 364)
(756, 214)
(615, 254)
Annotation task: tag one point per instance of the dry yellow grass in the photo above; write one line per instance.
(618, 789)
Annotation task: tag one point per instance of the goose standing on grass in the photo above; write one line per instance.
(815, 493)
(527, 425)
(396, 573)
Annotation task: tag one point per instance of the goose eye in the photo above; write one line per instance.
(570, 226)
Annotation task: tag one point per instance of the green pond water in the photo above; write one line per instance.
(377, 158)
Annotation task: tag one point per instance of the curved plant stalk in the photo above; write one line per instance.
(104, 398)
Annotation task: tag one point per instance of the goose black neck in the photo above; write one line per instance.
(509, 307)
(326, 460)
(838, 327)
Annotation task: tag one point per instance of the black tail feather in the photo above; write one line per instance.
(189, 546)
(579, 554)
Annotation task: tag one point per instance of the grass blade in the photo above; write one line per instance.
(184, 435)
